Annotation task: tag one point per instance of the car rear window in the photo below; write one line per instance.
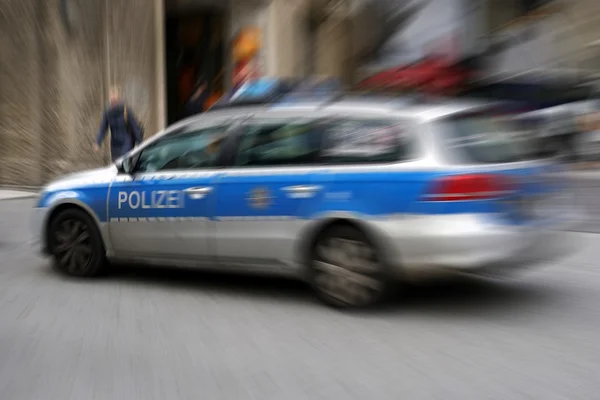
(489, 139)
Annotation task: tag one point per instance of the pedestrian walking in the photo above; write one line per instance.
(125, 130)
(197, 101)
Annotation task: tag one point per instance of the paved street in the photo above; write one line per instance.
(588, 201)
(159, 334)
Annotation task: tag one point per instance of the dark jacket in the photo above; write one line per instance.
(121, 139)
(196, 106)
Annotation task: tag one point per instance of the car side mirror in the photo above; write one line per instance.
(125, 165)
(120, 164)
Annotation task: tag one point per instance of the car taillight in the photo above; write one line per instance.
(470, 187)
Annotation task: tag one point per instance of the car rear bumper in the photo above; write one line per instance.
(471, 243)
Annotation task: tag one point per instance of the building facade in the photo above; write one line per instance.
(551, 38)
(59, 58)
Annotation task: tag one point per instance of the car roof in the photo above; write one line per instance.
(407, 107)
(415, 108)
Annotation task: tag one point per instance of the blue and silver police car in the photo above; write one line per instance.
(348, 192)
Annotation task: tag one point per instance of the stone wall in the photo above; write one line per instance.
(334, 52)
(131, 53)
(579, 28)
(55, 71)
(73, 87)
(20, 102)
(288, 37)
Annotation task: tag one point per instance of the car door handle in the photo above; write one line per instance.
(301, 190)
(198, 192)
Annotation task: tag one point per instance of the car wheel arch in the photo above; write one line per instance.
(57, 209)
(317, 230)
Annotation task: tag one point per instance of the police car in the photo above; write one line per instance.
(350, 192)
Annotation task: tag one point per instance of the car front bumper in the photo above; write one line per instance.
(38, 220)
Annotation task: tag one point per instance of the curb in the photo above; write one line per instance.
(30, 196)
(23, 193)
(32, 189)
(584, 181)
(593, 176)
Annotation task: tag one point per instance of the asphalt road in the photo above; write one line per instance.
(587, 200)
(164, 334)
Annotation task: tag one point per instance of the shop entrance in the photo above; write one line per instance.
(195, 52)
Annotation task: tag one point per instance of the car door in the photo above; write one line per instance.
(163, 208)
(266, 196)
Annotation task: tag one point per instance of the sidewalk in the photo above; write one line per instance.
(585, 174)
(584, 177)
(10, 194)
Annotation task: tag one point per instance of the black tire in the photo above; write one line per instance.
(362, 281)
(75, 244)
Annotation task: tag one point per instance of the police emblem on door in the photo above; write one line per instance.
(260, 198)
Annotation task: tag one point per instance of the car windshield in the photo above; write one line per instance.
(489, 139)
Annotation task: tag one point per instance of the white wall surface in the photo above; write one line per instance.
(452, 24)
(534, 51)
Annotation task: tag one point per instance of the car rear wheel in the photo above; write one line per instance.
(346, 271)
(75, 244)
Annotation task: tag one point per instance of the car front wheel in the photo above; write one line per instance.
(75, 244)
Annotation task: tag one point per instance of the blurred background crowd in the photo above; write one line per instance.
(175, 58)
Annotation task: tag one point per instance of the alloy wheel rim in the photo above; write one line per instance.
(347, 271)
(73, 248)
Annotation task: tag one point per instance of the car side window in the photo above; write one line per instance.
(189, 150)
(356, 141)
(279, 143)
